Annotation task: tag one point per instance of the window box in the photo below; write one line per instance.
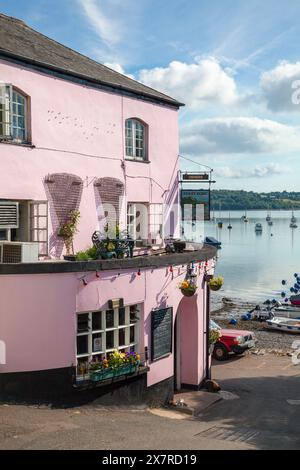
(110, 373)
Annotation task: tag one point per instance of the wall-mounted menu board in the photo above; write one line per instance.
(161, 332)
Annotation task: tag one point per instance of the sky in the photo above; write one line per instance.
(234, 63)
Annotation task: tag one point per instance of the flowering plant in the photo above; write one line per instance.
(216, 283)
(115, 360)
(188, 287)
(214, 336)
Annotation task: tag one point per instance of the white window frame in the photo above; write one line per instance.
(156, 222)
(132, 140)
(7, 95)
(36, 225)
(132, 209)
(104, 352)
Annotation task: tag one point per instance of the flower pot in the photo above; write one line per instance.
(101, 374)
(70, 257)
(110, 373)
(215, 288)
(189, 292)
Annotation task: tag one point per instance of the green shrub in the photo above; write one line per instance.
(90, 253)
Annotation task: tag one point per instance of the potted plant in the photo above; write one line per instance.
(216, 283)
(188, 287)
(214, 336)
(67, 232)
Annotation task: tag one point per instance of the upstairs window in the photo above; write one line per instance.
(135, 135)
(13, 114)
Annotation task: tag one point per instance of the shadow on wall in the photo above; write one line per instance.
(64, 192)
(109, 195)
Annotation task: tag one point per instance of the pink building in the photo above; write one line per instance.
(77, 136)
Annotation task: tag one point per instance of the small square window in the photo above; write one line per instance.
(122, 335)
(122, 316)
(110, 344)
(83, 323)
(110, 319)
(96, 321)
(82, 344)
(97, 342)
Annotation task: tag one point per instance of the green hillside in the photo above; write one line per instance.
(241, 200)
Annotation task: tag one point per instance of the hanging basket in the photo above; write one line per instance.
(216, 283)
(189, 291)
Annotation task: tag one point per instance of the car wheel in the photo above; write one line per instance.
(220, 352)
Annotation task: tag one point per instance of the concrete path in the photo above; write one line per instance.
(266, 415)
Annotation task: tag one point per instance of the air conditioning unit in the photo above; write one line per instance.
(9, 215)
(19, 252)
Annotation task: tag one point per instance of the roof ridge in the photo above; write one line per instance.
(108, 78)
(13, 18)
(89, 58)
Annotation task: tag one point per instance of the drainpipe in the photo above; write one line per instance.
(208, 369)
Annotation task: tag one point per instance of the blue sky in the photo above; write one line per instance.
(233, 62)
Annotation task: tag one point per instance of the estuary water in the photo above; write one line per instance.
(254, 264)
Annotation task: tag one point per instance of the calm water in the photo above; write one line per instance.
(253, 265)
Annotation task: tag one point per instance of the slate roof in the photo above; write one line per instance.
(19, 41)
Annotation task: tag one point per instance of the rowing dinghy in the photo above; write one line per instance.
(283, 324)
(287, 311)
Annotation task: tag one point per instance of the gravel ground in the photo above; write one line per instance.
(269, 341)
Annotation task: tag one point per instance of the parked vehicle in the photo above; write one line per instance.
(232, 342)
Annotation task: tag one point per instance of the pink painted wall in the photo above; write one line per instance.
(80, 130)
(38, 318)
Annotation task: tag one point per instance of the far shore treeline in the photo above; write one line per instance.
(225, 199)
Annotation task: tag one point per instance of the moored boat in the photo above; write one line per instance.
(287, 325)
(258, 227)
(212, 241)
(295, 299)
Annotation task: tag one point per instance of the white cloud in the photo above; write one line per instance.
(277, 88)
(196, 84)
(238, 135)
(260, 171)
(118, 68)
(107, 29)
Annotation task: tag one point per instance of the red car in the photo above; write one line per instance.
(232, 342)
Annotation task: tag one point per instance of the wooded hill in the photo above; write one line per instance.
(242, 200)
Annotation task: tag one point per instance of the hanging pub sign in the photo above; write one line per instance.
(195, 177)
(161, 333)
(195, 203)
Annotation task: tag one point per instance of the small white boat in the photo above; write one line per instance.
(287, 325)
(258, 227)
(287, 312)
(293, 225)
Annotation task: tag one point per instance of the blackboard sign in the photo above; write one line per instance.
(161, 330)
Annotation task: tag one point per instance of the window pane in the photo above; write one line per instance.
(110, 323)
(121, 316)
(134, 313)
(82, 344)
(97, 321)
(122, 337)
(97, 342)
(82, 322)
(132, 334)
(110, 340)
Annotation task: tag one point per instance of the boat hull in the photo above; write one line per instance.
(285, 325)
(295, 300)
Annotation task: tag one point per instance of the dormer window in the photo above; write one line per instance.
(136, 140)
(13, 115)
